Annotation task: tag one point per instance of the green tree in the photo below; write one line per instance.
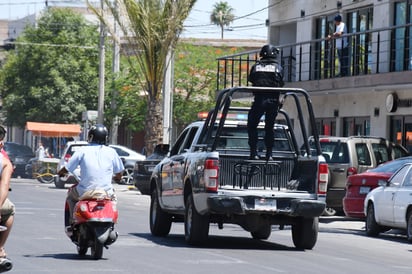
(195, 80)
(222, 15)
(152, 29)
(52, 76)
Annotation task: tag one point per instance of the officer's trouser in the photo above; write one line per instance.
(269, 107)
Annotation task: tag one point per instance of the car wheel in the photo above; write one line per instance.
(409, 226)
(371, 226)
(305, 232)
(329, 211)
(196, 225)
(262, 233)
(160, 221)
(127, 177)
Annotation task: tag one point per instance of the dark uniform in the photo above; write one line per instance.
(265, 73)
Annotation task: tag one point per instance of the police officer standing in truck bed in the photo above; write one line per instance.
(265, 73)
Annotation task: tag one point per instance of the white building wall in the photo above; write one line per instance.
(364, 102)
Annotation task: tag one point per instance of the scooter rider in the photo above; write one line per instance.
(98, 163)
(265, 73)
(7, 208)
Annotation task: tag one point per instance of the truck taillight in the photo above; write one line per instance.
(323, 178)
(351, 171)
(211, 175)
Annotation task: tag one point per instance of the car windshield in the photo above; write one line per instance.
(392, 166)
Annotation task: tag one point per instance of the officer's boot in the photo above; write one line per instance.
(269, 154)
(253, 154)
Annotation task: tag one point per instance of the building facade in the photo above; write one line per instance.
(375, 98)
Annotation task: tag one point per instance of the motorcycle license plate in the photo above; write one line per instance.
(265, 204)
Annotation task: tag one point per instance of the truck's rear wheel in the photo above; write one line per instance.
(305, 232)
(160, 221)
(196, 225)
(262, 233)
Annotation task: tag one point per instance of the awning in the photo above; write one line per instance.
(53, 130)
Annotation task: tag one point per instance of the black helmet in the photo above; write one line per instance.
(97, 134)
(268, 51)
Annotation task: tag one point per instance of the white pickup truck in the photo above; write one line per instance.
(207, 177)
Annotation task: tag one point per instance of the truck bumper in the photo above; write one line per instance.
(244, 205)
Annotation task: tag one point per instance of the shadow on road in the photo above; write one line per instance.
(64, 256)
(217, 242)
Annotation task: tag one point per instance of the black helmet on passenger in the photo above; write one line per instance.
(97, 134)
(268, 51)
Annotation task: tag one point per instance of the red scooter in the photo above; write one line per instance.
(94, 217)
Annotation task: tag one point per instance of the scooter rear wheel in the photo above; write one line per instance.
(82, 250)
(97, 250)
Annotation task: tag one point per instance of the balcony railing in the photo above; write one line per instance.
(370, 52)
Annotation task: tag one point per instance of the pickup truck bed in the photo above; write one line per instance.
(208, 177)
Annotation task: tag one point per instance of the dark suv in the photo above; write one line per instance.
(19, 156)
(143, 169)
(351, 155)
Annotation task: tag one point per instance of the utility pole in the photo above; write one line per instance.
(100, 103)
(168, 98)
(116, 69)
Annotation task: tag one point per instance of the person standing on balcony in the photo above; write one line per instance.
(341, 45)
(267, 72)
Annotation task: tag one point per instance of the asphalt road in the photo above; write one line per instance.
(38, 243)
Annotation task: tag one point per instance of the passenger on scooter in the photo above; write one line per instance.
(98, 163)
(7, 207)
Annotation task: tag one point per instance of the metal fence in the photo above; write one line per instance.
(369, 52)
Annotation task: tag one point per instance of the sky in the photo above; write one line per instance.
(249, 23)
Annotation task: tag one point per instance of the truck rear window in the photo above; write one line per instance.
(237, 138)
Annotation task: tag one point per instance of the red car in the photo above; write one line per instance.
(359, 185)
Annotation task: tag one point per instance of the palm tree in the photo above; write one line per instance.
(222, 15)
(152, 28)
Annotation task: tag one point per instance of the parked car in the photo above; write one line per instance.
(68, 151)
(352, 155)
(390, 205)
(143, 169)
(359, 185)
(129, 158)
(19, 155)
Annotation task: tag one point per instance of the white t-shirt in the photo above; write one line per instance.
(342, 29)
(97, 164)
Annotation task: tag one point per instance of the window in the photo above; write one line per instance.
(326, 126)
(401, 54)
(354, 126)
(360, 21)
(362, 152)
(401, 131)
(408, 179)
(398, 177)
(381, 153)
(340, 152)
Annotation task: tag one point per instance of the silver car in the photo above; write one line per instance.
(352, 155)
